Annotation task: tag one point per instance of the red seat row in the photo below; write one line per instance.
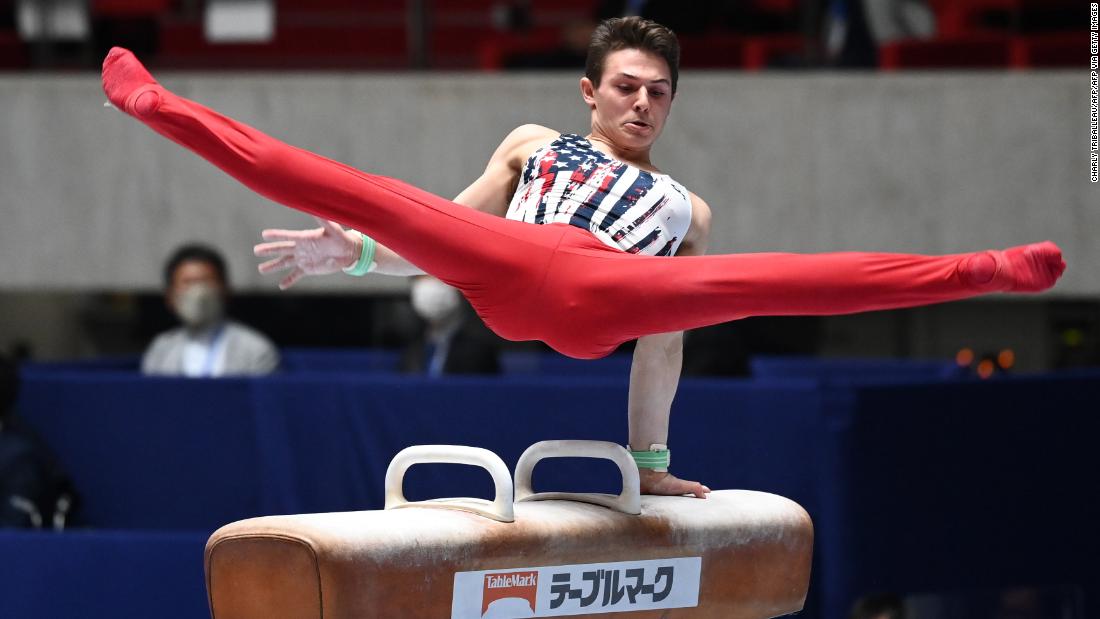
(372, 34)
(988, 52)
(183, 45)
(13, 53)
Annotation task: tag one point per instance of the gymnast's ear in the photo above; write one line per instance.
(588, 92)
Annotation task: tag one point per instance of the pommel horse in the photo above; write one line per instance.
(736, 555)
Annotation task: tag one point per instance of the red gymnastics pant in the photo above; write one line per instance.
(556, 283)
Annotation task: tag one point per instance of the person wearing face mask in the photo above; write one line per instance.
(207, 344)
(451, 342)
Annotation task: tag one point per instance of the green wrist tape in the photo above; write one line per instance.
(657, 457)
(366, 263)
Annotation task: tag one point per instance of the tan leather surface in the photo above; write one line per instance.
(262, 576)
(755, 548)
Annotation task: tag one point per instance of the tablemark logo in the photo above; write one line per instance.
(519, 585)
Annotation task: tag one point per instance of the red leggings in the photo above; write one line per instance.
(555, 283)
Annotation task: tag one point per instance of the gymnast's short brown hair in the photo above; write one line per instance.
(631, 33)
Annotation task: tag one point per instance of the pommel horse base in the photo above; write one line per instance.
(736, 555)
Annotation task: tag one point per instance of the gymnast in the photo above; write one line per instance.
(580, 242)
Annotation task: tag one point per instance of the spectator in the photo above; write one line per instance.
(453, 341)
(855, 29)
(899, 19)
(34, 492)
(207, 344)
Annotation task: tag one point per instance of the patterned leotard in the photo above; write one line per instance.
(569, 181)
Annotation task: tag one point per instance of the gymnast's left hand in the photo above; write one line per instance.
(668, 484)
(318, 251)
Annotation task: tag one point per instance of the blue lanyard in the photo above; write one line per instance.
(212, 352)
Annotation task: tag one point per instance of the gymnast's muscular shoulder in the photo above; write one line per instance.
(493, 190)
(521, 143)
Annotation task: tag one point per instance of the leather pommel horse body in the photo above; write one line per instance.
(736, 555)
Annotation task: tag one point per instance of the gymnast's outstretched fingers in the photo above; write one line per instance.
(317, 251)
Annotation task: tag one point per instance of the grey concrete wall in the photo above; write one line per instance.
(789, 162)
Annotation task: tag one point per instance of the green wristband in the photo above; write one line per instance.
(366, 262)
(657, 457)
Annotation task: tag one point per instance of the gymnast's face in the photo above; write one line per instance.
(632, 102)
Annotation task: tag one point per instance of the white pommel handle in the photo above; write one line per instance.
(499, 509)
(628, 502)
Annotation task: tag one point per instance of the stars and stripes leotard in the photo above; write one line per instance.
(561, 283)
(569, 181)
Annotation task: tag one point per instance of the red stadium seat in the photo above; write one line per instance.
(561, 12)
(457, 47)
(461, 6)
(579, 7)
(960, 18)
(348, 6)
(762, 51)
(496, 49)
(1063, 49)
(976, 52)
(786, 7)
(294, 47)
(13, 52)
(712, 51)
(955, 18)
(723, 51)
(129, 8)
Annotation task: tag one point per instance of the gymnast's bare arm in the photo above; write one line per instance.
(655, 374)
(330, 248)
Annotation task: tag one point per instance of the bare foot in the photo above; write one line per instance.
(1027, 268)
(128, 85)
(667, 484)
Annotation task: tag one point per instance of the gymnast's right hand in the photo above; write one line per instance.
(319, 251)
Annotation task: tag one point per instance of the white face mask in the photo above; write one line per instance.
(433, 300)
(199, 306)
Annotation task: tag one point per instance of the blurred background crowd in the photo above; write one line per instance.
(491, 35)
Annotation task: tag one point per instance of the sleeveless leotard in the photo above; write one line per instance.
(569, 181)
